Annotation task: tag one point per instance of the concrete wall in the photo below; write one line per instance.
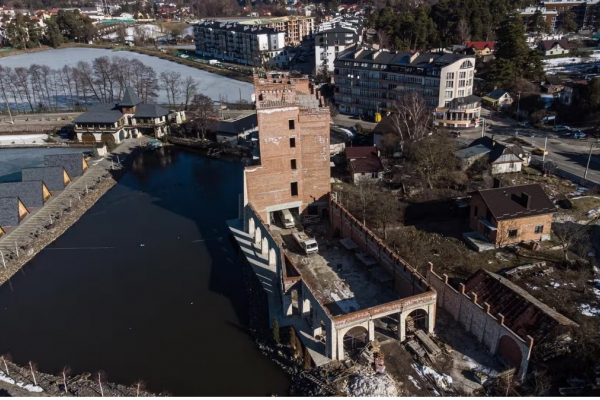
(477, 320)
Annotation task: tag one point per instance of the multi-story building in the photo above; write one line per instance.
(370, 81)
(550, 16)
(332, 39)
(244, 44)
(295, 28)
(293, 170)
(585, 10)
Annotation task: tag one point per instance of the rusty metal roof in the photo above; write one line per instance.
(523, 313)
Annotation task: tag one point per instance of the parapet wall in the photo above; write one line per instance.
(407, 281)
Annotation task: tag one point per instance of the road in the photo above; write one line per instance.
(568, 154)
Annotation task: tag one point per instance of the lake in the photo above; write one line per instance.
(146, 285)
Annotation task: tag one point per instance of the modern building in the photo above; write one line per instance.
(370, 81)
(585, 10)
(513, 214)
(129, 117)
(234, 42)
(550, 16)
(333, 38)
(295, 28)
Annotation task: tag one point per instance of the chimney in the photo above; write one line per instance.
(525, 200)
(497, 183)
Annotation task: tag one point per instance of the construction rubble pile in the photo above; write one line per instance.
(377, 385)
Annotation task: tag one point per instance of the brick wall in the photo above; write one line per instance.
(407, 281)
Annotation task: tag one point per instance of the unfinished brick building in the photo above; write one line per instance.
(293, 169)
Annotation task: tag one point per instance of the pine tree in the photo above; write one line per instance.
(276, 337)
(292, 337)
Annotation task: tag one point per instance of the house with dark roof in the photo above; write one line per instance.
(32, 194)
(498, 98)
(73, 163)
(554, 47)
(502, 158)
(513, 214)
(480, 48)
(364, 163)
(55, 178)
(12, 212)
(236, 130)
(130, 117)
(511, 323)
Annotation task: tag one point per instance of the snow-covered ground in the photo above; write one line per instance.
(210, 84)
(22, 139)
(558, 64)
(151, 31)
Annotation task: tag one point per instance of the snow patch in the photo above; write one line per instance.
(414, 382)
(589, 310)
(30, 388)
(6, 379)
(378, 385)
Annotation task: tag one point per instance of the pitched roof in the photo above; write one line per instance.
(549, 44)
(496, 94)
(9, 211)
(364, 159)
(31, 193)
(100, 114)
(150, 111)
(509, 202)
(53, 177)
(481, 45)
(72, 163)
(430, 60)
(130, 98)
(472, 151)
(523, 314)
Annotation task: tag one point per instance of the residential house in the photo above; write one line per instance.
(480, 49)
(237, 130)
(554, 47)
(129, 117)
(553, 84)
(12, 212)
(364, 163)
(370, 81)
(572, 91)
(502, 158)
(33, 194)
(498, 98)
(55, 178)
(74, 163)
(514, 214)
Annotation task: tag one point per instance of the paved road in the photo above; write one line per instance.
(569, 154)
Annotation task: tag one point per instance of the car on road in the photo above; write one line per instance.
(540, 151)
(579, 135)
(525, 124)
(561, 128)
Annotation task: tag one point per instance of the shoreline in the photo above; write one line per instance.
(140, 50)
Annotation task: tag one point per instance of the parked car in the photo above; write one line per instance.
(455, 133)
(524, 124)
(561, 128)
(540, 151)
(579, 135)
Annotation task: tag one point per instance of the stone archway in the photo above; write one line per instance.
(355, 339)
(107, 138)
(510, 352)
(251, 226)
(417, 320)
(264, 247)
(88, 138)
(258, 237)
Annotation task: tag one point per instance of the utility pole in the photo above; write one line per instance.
(587, 167)
(9, 114)
(544, 152)
(483, 128)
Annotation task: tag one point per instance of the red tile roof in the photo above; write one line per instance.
(364, 159)
(480, 45)
(360, 152)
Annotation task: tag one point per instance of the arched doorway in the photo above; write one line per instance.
(416, 320)
(107, 138)
(355, 340)
(272, 258)
(510, 352)
(121, 135)
(88, 138)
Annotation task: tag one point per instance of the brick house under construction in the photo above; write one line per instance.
(293, 170)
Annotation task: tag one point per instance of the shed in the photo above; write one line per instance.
(55, 178)
(12, 212)
(73, 163)
(32, 193)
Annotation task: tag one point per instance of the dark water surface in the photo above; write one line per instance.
(164, 301)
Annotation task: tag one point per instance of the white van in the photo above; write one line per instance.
(286, 218)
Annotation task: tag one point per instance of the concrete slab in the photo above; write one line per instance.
(477, 241)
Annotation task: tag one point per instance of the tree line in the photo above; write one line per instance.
(103, 80)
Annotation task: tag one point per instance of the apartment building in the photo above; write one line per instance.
(550, 16)
(585, 10)
(295, 28)
(234, 42)
(370, 81)
(333, 38)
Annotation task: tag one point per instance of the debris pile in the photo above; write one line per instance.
(378, 385)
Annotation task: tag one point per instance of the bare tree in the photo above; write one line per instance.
(190, 87)
(204, 108)
(463, 32)
(171, 83)
(387, 210)
(140, 385)
(383, 38)
(6, 357)
(507, 232)
(433, 159)
(410, 117)
(101, 378)
(363, 196)
(33, 368)
(569, 235)
(66, 372)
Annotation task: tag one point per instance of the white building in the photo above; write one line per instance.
(333, 37)
(244, 44)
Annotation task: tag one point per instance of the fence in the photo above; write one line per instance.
(554, 169)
